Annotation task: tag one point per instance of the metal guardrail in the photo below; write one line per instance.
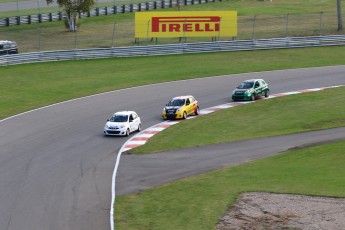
(182, 48)
(99, 11)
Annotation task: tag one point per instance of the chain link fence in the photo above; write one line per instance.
(47, 36)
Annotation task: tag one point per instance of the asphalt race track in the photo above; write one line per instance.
(56, 166)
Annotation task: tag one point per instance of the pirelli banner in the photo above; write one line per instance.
(186, 24)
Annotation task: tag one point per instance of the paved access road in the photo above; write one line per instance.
(37, 4)
(56, 165)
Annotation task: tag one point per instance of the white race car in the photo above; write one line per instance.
(122, 123)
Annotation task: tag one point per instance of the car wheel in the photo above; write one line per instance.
(267, 93)
(139, 128)
(184, 115)
(127, 133)
(197, 111)
(252, 98)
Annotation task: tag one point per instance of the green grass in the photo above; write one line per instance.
(198, 202)
(277, 116)
(25, 87)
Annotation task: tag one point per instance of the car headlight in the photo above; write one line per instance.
(179, 109)
(164, 110)
(122, 126)
(248, 93)
(106, 126)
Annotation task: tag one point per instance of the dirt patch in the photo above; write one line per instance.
(254, 211)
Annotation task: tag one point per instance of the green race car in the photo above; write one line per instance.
(250, 90)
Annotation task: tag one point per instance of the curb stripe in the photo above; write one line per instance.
(138, 139)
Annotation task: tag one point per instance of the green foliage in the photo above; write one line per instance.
(73, 10)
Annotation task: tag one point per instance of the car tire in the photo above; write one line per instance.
(197, 111)
(139, 128)
(267, 93)
(127, 133)
(252, 98)
(184, 115)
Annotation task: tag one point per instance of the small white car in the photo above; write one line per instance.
(122, 123)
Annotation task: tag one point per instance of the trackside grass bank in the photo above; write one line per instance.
(277, 116)
(198, 202)
(25, 87)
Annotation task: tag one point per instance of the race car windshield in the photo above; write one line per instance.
(245, 85)
(119, 118)
(176, 102)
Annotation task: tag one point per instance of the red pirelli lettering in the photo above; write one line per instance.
(186, 24)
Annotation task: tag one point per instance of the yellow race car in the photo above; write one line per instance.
(180, 107)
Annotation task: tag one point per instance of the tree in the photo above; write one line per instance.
(340, 23)
(73, 9)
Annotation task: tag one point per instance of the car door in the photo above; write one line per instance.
(136, 121)
(257, 88)
(131, 123)
(188, 105)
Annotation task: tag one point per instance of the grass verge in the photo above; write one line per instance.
(198, 202)
(277, 116)
(25, 87)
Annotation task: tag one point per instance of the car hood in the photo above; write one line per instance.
(172, 107)
(243, 90)
(116, 124)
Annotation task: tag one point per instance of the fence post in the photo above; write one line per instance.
(39, 38)
(112, 41)
(287, 26)
(253, 32)
(18, 20)
(75, 39)
(220, 21)
(321, 22)
(147, 32)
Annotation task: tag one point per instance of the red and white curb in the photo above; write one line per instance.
(142, 137)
